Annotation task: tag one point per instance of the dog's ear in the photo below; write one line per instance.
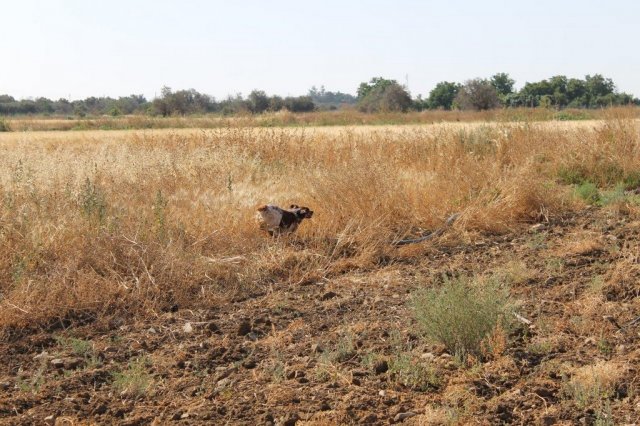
(294, 206)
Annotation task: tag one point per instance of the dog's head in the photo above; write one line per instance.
(302, 212)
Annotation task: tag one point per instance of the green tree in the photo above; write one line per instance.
(299, 104)
(258, 102)
(503, 84)
(443, 95)
(376, 83)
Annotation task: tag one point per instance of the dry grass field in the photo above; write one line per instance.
(136, 287)
(347, 117)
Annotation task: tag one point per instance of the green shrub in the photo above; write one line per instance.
(93, 201)
(571, 115)
(588, 192)
(462, 313)
(414, 374)
(571, 175)
(4, 125)
(134, 380)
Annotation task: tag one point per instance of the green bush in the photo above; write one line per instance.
(588, 192)
(462, 313)
(4, 125)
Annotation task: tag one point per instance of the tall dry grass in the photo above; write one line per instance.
(346, 117)
(131, 224)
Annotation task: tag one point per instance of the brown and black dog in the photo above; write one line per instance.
(278, 221)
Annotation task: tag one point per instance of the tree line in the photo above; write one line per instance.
(377, 95)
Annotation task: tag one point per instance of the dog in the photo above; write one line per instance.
(277, 221)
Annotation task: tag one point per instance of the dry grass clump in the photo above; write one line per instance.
(134, 223)
(591, 385)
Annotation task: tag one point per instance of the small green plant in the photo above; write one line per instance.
(540, 347)
(82, 348)
(631, 181)
(35, 382)
(616, 195)
(597, 284)
(571, 175)
(229, 183)
(571, 115)
(344, 349)
(538, 241)
(93, 201)
(160, 214)
(369, 360)
(275, 368)
(4, 125)
(462, 313)
(588, 192)
(324, 369)
(604, 416)
(593, 385)
(604, 347)
(77, 346)
(417, 375)
(135, 380)
(554, 265)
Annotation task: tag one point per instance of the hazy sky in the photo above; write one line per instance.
(80, 48)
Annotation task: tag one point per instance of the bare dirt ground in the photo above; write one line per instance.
(321, 352)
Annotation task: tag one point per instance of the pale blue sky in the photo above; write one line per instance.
(80, 48)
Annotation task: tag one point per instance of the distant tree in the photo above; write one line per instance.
(503, 84)
(443, 95)
(299, 104)
(377, 83)
(63, 106)
(577, 93)
(276, 103)
(383, 95)
(477, 94)
(182, 102)
(327, 99)
(597, 85)
(234, 105)
(258, 102)
(504, 87)
(79, 109)
(44, 106)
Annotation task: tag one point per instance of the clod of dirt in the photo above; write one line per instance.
(212, 327)
(369, 418)
(403, 416)
(249, 364)
(290, 420)
(244, 328)
(328, 295)
(381, 367)
(72, 363)
(57, 363)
